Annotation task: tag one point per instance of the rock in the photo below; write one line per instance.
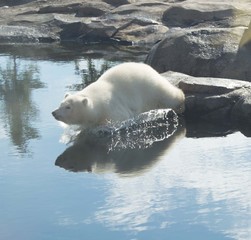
(82, 32)
(205, 39)
(189, 14)
(214, 99)
(214, 13)
(202, 52)
(140, 32)
(204, 85)
(78, 9)
(22, 34)
(124, 22)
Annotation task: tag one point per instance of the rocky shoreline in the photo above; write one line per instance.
(210, 41)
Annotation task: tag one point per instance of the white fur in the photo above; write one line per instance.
(122, 92)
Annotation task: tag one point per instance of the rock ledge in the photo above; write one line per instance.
(215, 100)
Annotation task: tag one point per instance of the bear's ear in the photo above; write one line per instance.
(85, 101)
(66, 95)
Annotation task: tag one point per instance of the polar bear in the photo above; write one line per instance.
(122, 92)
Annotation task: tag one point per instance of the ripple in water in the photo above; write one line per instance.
(136, 133)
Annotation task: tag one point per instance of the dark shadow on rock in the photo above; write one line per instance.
(229, 115)
(201, 128)
(240, 67)
(117, 3)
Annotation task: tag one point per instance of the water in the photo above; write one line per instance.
(176, 187)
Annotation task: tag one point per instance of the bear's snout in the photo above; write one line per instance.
(55, 115)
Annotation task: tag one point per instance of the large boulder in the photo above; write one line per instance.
(203, 52)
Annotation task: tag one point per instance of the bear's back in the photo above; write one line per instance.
(128, 73)
(137, 77)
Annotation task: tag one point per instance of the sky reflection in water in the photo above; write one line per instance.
(182, 188)
(202, 189)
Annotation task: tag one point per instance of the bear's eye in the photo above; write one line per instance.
(68, 107)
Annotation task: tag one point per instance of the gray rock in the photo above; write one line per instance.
(23, 34)
(189, 14)
(203, 52)
(204, 85)
(214, 99)
(97, 21)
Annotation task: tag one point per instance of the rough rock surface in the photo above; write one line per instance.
(215, 99)
(206, 39)
(196, 51)
(204, 52)
(127, 22)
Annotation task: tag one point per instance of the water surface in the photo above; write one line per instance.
(179, 188)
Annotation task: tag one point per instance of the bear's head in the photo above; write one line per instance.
(74, 109)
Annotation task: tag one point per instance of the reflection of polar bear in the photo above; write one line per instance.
(90, 153)
(122, 92)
